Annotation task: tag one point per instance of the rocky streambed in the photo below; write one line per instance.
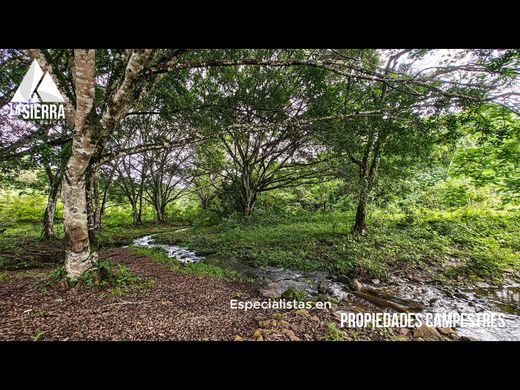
(397, 292)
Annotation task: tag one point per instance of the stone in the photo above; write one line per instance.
(376, 281)
(323, 287)
(257, 333)
(446, 331)
(426, 333)
(302, 312)
(314, 318)
(264, 323)
(238, 338)
(272, 290)
(289, 333)
(356, 285)
(343, 279)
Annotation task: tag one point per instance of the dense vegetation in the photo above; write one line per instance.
(351, 161)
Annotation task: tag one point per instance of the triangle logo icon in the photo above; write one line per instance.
(35, 81)
(48, 91)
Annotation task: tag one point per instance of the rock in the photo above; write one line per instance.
(468, 338)
(314, 318)
(272, 290)
(344, 279)
(376, 281)
(284, 323)
(426, 333)
(509, 271)
(323, 287)
(302, 312)
(356, 285)
(289, 333)
(446, 331)
(264, 323)
(258, 335)
(238, 338)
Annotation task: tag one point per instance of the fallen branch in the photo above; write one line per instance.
(383, 299)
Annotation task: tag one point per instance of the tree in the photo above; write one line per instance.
(408, 117)
(489, 151)
(252, 111)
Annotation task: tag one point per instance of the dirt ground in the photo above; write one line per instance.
(176, 306)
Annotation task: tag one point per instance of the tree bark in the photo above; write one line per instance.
(136, 216)
(367, 173)
(97, 200)
(248, 203)
(159, 214)
(50, 210)
(78, 256)
(360, 225)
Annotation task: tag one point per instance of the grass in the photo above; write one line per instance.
(486, 242)
(334, 334)
(114, 281)
(200, 269)
(37, 335)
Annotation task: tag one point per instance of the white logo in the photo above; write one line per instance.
(37, 87)
(38, 98)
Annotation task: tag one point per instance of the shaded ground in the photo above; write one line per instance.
(23, 247)
(176, 306)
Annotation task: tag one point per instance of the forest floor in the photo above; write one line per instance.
(163, 305)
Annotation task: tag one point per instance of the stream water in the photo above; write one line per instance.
(432, 298)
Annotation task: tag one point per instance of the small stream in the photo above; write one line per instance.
(173, 251)
(432, 298)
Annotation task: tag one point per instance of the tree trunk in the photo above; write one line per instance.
(48, 216)
(248, 203)
(247, 195)
(136, 214)
(50, 210)
(97, 200)
(159, 214)
(89, 192)
(367, 176)
(360, 226)
(78, 256)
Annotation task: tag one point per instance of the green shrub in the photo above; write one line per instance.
(295, 294)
